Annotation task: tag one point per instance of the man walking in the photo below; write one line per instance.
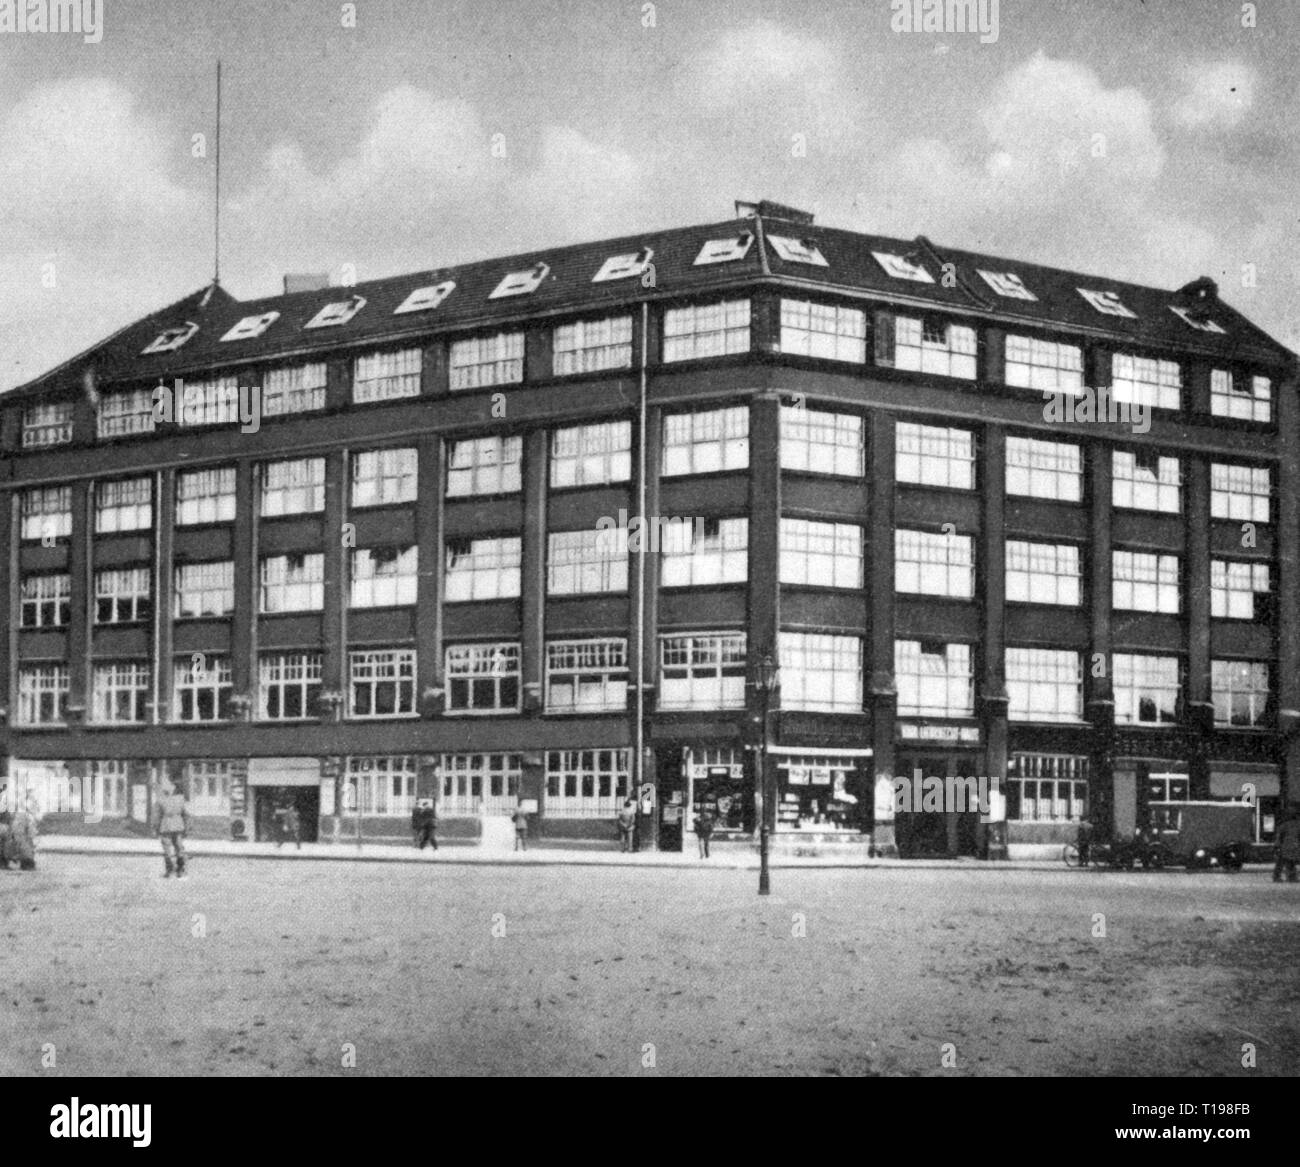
(424, 823)
(627, 824)
(1288, 848)
(171, 822)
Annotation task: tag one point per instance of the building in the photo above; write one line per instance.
(372, 542)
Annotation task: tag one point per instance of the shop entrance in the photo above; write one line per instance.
(947, 834)
(269, 799)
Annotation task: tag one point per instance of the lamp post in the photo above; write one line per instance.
(766, 677)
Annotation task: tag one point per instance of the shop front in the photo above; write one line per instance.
(825, 794)
(275, 785)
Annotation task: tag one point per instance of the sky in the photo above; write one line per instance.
(1150, 141)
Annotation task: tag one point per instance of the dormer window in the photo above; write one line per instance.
(1196, 318)
(725, 250)
(170, 339)
(902, 268)
(621, 267)
(1108, 303)
(1007, 284)
(337, 312)
(521, 283)
(252, 326)
(425, 299)
(797, 250)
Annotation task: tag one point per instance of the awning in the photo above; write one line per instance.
(284, 771)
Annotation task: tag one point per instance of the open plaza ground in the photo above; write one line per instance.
(300, 966)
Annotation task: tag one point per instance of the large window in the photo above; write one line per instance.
(289, 685)
(822, 443)
(384, 477)
(827, 555)
(1043, 573)
(586, 676)
(205, 496)
(706, 552)
(124, 414)
(208, 782)
(933, 456)
(1146, 689)
(487, 360)
(706, 330)
(702, 671)
(124, 505)
(204, 589)
(1146, 482)
(579, 562)
(586, 783)
(591, 455)
(588, 346)
(293, 583)
(823, 330)
(1047, 788)
(202, 688)
(42, 694)
(479, 783)
(384, 577)
(927, 564)
(46, 513)
(294, 487)
(1146, 381)
(293, 389)
(122, 595)
(1038, 469)
(381, 786)
(120, 693)
(211, 402)
(934, 679)
(386, 376)
(483, 678)
(820, 671)
(1241, 692)
(926, 346)
(1239, 493)
(46, 600)
(1044, 365)
(1044, 684)
(382, 683)
(1142, 582)
(483, 569)
(1239, 591)
(703, 443)
(484, 466)
(1245, 398)
(47, 423)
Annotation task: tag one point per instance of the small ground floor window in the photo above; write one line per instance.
(813, 793)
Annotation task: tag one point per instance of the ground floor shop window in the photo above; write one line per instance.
(383, 786)
(104, 789)
(479, 783)
(1162, 790)
(715, 778)
(813, 794)
(208, 784)
(1047, 788)
(46, 785)
(586, 783)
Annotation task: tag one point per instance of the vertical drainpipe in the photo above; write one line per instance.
(638, 768)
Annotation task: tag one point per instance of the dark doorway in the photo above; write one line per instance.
(268, 799)
(936, 835)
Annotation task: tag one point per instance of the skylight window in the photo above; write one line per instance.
(337, 312)
(1007, 284)
(621, 267)
(252, 326)
(1107, 302)
(520, 283)
(725, 250)
(902, 268)
(170, 339)
(1196, 318)
(797, 250)
(424, 299)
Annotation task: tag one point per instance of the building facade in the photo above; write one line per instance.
(535, 528)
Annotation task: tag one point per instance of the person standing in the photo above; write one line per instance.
(627, 825)
(293, 825)
(1288, 848)
(704, 830)
(22, 836)
(424, 821)
(171, 822)
(520, 818)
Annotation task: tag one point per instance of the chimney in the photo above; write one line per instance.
(770, 210)
(305, 282)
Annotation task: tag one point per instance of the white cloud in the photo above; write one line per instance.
(1218, 95)
(760, 58)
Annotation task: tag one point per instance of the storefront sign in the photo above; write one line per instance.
(920, 731)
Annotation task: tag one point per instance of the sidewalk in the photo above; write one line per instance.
(539, 855)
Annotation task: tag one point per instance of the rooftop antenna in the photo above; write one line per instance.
(216, 210)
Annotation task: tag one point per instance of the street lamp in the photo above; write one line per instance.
(767, 675)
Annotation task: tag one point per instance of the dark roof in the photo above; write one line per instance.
(851, 269)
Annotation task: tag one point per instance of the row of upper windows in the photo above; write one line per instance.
(696, 671)
(692, 332)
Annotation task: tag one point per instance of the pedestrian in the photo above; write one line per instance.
(1085, 842)
(6, 817)
(293, 825)
(704, 830)
(22, 836)
(627, 824)
(1288, 848)
(424, 822)
(171, 822)
(520, 818)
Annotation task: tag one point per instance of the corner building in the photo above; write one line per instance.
(401, 582)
